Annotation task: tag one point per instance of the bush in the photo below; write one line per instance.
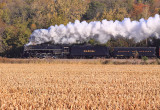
(144, 58)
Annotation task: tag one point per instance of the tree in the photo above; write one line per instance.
(93, 42)
(116, 14)
(120, 42)
(95, 8)
(18, 18)
(138, 10)
(2, 29)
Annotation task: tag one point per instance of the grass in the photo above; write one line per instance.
(81, 61)
(79, 86)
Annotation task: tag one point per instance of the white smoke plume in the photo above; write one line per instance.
(101, 31)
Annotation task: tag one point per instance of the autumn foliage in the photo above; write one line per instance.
(19, 18)
(138, 10)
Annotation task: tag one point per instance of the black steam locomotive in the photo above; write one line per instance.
(87, 51)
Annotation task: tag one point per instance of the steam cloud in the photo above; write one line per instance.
(101, 31)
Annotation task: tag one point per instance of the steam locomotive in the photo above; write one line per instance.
(87, 51)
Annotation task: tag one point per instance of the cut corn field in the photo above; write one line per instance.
(79, 86)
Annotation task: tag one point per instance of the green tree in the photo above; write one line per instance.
(93, 42)
(120, 42)
(95, 10)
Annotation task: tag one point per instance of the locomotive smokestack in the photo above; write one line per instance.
(100, 31)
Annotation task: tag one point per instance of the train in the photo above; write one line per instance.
(87, 51)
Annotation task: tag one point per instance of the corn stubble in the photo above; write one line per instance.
(77, 86)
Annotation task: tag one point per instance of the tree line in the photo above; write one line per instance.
(19, 18)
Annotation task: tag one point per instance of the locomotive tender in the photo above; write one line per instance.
(87, 51)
